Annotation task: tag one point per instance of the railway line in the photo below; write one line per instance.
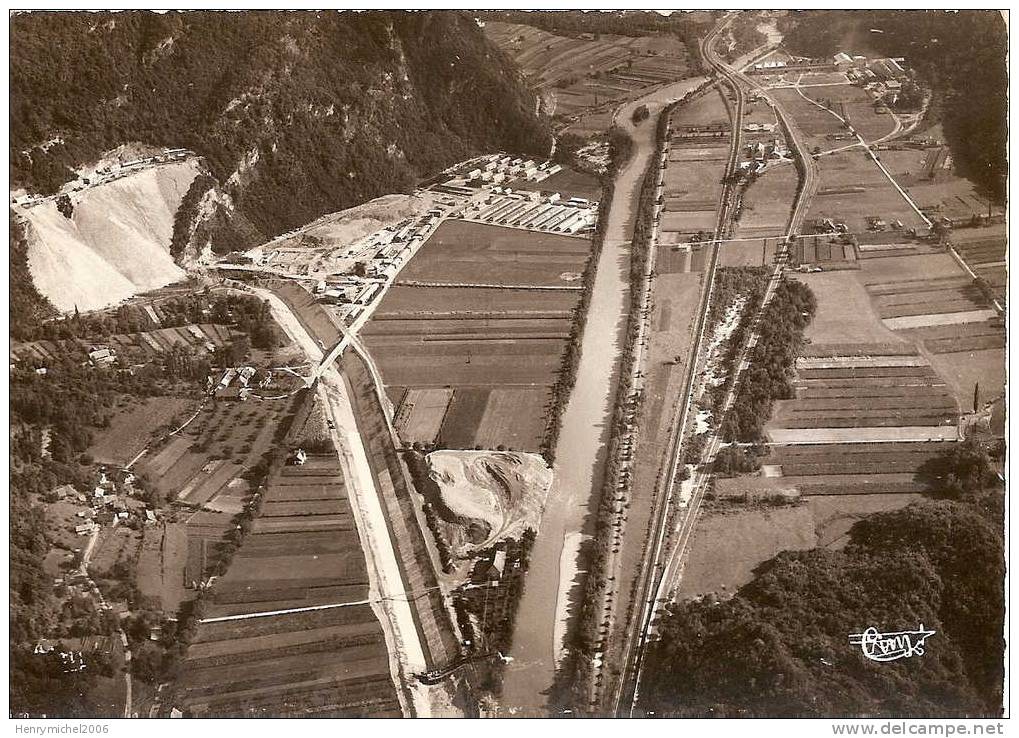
(624, 699)
(662, 568)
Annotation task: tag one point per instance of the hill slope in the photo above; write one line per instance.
(297, 114)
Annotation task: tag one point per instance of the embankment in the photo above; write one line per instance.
(405, 529)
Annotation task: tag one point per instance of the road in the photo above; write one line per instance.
(387, 590)
(543, 615)
(665, 560)
(86, 557)
(623, 698)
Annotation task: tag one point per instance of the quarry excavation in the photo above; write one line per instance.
(508, 364)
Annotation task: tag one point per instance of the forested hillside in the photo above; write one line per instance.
(780, 647)
(687, 26)
(961, 55)
(297, 114)
(27, 307)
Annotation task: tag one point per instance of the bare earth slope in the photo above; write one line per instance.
(116, 242)
(505, 489)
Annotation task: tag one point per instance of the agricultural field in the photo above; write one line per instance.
(697, 153)
(580, 74)
(926, 297)
(855, 105)
(303, 548)
(207, 457)
(853, 468)
(162, 558)
(984, 251)
(765, 207)
(465, 252)
(417, 555)
(868, 391)
(751, 252)
(204, 470)
(820, 129)
(927, 174)
(854, 189)
(844, 314)
(325, 663)
(717, 568)
(494, 353)
(137, 425)
(933, 303)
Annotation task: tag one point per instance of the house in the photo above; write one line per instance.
(85, 529)
(228, 377)
(176, 713)
(300, 457)
(64, 491)
(101, 356)
(44, 646)
(499, 563)
(72, 661)
(493, 570)
(245, 374)
(842, 59)
(150, 517)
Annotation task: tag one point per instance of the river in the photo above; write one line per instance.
(544, 615)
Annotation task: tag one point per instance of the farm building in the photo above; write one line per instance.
(64, 491)
(101, 356)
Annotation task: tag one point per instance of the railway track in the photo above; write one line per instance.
(624, 700)
(660, 575)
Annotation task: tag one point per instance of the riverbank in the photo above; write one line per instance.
(580, 450)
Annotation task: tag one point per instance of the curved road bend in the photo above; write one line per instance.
(540, 623)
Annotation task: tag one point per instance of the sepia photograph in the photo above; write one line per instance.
(517, 363)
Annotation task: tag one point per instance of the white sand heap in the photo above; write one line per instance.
(115, 244)
(504, 489)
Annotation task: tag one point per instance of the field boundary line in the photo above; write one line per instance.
(288, 611)
(485, 285)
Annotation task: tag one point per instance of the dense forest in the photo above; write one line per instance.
(318, 111)
(961, 55)
(769, 376)
(27, 308)
(780, 647)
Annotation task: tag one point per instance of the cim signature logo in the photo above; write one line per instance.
(891, 646)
